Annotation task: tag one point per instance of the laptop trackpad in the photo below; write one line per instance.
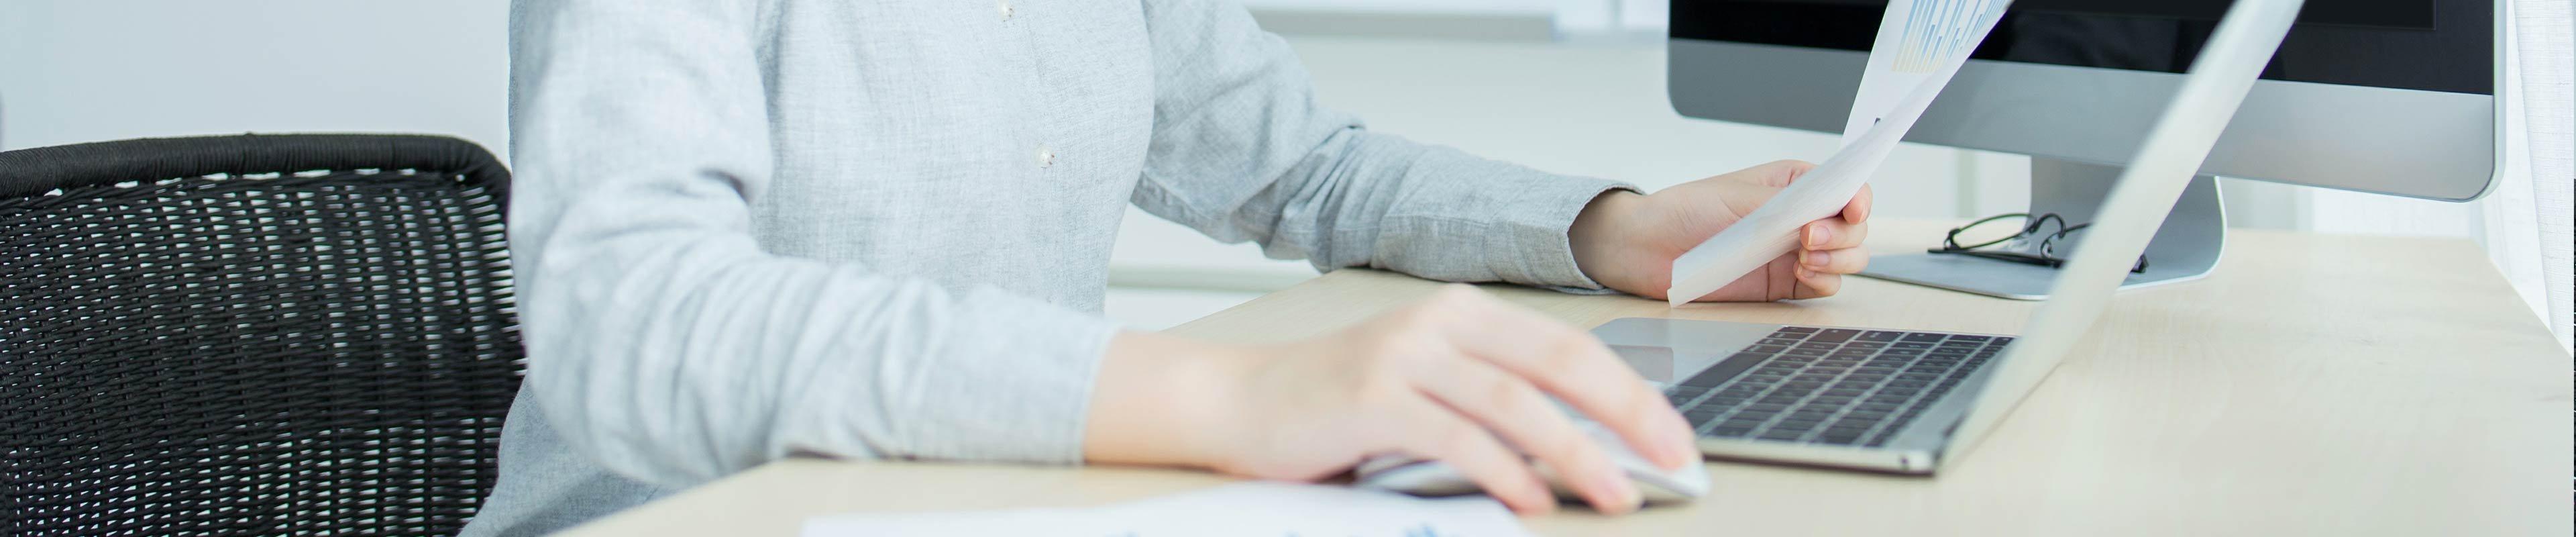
(1665, 351)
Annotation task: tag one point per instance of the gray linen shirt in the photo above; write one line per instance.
(750, 229)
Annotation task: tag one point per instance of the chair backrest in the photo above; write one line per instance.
(259, 335)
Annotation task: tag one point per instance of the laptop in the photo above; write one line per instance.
(1908, 401)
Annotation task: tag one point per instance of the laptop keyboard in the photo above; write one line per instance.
(1835, 386)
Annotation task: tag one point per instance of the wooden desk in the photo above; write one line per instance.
(2314, 385)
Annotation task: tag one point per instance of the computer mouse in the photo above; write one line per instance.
(1420, 477)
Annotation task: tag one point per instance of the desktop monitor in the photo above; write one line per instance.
(2388, 96)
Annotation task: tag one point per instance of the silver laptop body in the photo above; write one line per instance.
(1907, 401)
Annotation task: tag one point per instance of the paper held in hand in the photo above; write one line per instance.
(1946, 30)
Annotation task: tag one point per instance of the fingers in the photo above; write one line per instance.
(1844, 261)
(1812, 284)
(1833, 234)
(1439, 434)
(1523, 417)
(1577, 369)
(1858, 210)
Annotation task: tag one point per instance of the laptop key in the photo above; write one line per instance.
(1784, 342)
(1836, 335)
(1748, 419)
(1701, 415)
(1880, 335)
(1717, 375)
(1731, 431)
(1965, 337)
(1783, 435)
(1923, 336)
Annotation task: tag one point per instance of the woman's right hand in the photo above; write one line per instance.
(1460, 377)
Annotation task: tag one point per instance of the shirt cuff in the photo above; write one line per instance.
(1014, 387)
(1529, 241)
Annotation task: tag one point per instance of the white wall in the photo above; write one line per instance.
(89, 70)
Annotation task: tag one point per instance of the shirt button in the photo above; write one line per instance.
(1046, 157)
(1004, 8)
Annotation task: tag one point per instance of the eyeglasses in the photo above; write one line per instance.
(2013, 239)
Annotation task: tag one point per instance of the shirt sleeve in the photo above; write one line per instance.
(1241, 151)
(666, 345)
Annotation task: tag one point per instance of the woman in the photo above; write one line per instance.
(749, 229)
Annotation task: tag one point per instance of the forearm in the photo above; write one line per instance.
(1242, 151)
(1466, 218)
(679, 356)
(1158, 401)
(1596, 237)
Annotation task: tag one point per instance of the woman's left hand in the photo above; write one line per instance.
(1628, 241)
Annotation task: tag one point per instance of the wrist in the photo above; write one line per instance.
(1599, 234)
(1162, 400)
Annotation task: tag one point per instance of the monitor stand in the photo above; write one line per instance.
(2184, 249)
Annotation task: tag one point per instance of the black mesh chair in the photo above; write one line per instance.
(252, 335)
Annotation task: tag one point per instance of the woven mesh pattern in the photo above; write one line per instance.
(298, 354)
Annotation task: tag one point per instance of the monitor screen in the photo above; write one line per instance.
(2431, 45)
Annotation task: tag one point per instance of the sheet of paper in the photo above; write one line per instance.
(1263, 509)
(1772, 229)
(1915, 39)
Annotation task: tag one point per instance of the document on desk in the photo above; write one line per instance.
(1260, 508)
(1921, 45)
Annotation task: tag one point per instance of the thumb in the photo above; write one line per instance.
(1765, 181)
